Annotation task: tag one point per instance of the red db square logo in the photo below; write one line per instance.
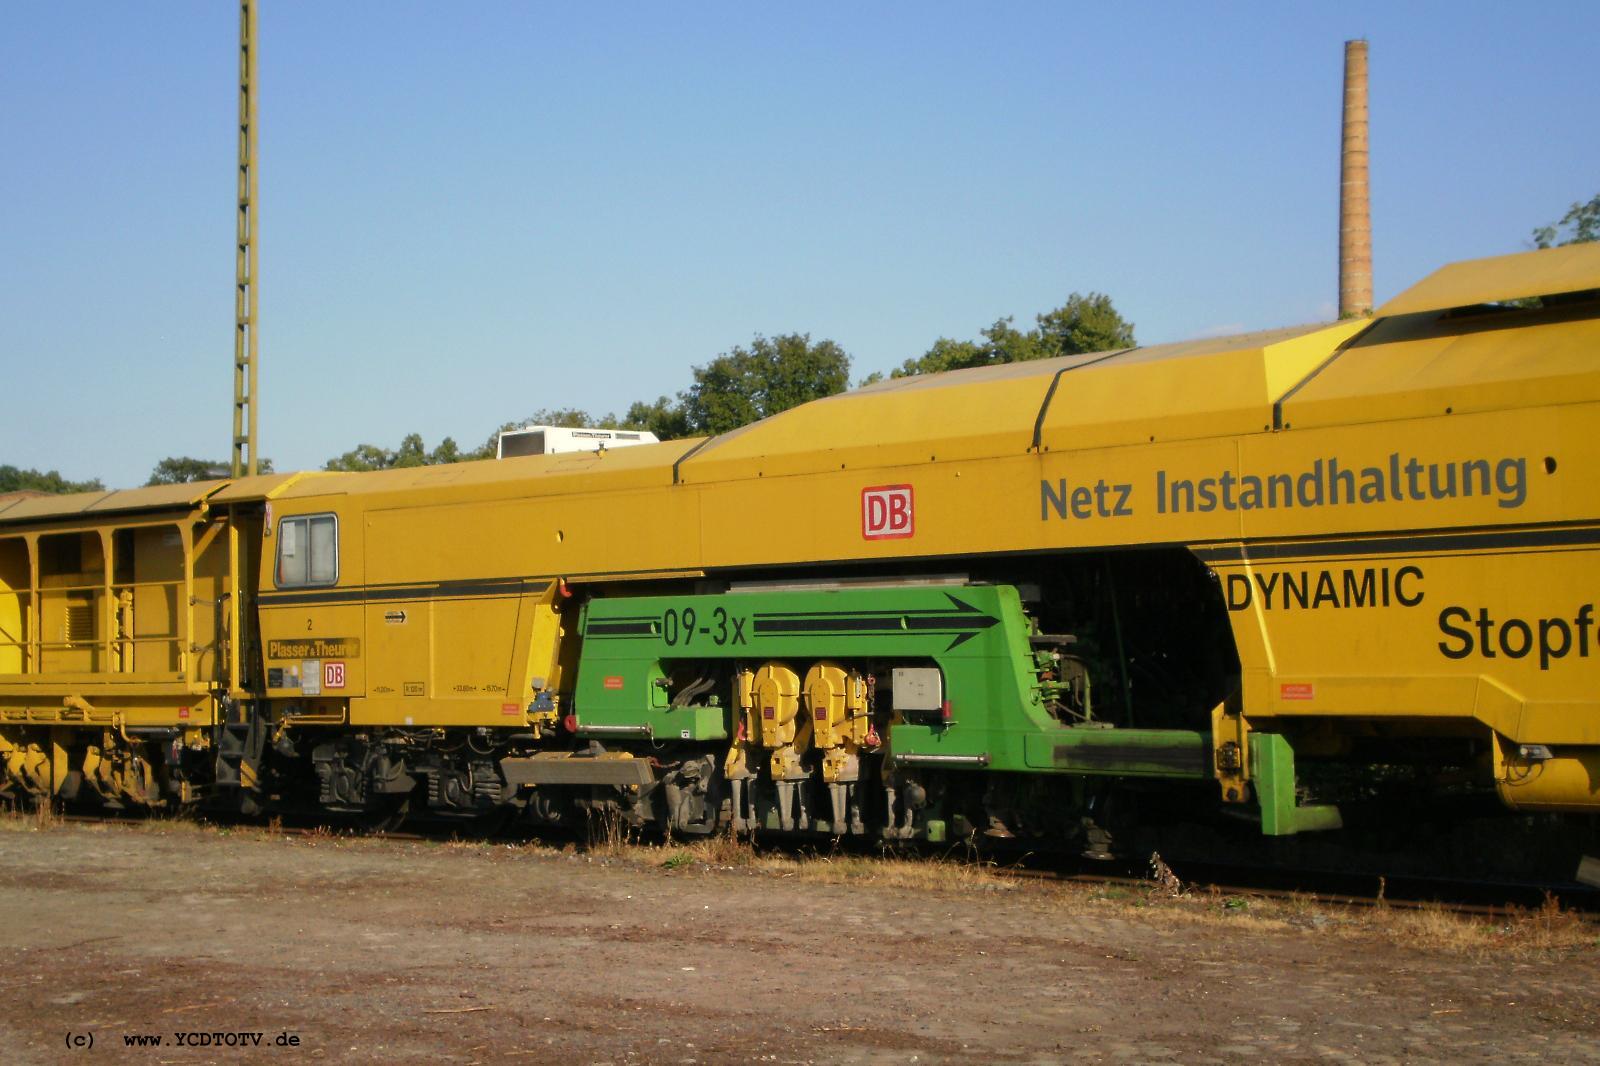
(887, 513)
(333, 675)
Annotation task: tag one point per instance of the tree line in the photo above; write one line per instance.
(751, 382)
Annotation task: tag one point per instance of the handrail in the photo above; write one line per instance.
(146, 639)
(105, 641)
(20, 591)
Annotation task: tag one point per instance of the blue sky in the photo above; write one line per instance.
(473, 211)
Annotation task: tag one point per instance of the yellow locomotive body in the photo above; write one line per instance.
(1360, 542)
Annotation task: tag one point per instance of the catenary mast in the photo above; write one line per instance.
(246, 334)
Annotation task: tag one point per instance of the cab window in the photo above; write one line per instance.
(308, 551)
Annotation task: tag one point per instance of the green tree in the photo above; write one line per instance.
(666, 418)
(944, 354)
(362, 457)
(740, 386)
(15, 479)
(1083, 324)
(1579, 225)
(448, 451)
(566, 418)
(412, 452)
(177, 469)
(773, 374)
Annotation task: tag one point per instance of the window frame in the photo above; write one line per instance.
(277, 552)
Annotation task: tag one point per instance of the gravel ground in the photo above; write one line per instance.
(397, 951)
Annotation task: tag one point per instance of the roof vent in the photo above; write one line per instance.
(550, 440)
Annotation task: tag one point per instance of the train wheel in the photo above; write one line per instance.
(389, 815)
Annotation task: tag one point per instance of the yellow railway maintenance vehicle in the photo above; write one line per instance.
(1283, 576)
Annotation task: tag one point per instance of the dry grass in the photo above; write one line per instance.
(1549, 930)
(1520, 933)
(725, 851)
(608, 834)
(175, 821)
(1541, 932)
(40, 818)
(48, 816)
(1162, 899)
(891, 871)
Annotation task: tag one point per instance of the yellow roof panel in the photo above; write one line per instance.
(1422, 365)
(634, 467)
(11, 499)
(1187, 391)
(260, 487)
(1501, 278)
(1195, 389)
(959, 414)
(153, 498)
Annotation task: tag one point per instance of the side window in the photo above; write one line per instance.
(308, 551)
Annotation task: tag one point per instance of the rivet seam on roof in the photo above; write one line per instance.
(1038, 422)
(1348, 343)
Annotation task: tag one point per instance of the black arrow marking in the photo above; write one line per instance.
(622, 626)
(962, 620)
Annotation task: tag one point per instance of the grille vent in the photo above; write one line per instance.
(79, 623)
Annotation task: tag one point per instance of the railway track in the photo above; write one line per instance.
(1325, 888)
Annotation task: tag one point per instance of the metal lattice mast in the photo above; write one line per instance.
(246, 334)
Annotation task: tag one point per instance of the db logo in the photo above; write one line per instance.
(333, 675)
(887, 513)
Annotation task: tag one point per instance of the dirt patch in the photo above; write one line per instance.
(375, 950)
